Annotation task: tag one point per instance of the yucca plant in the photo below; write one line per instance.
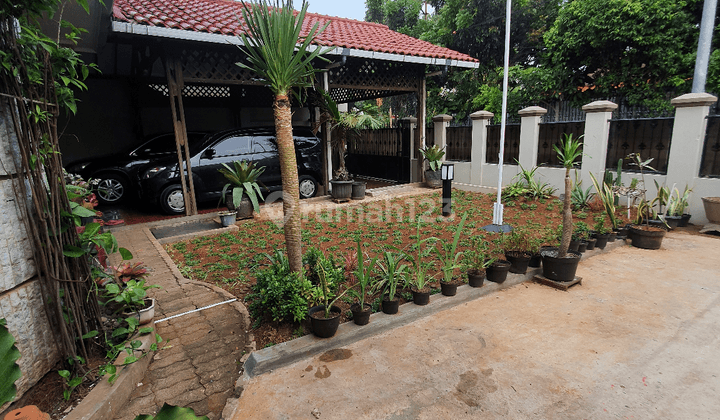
(433, 154)
(567, 153)
(608, 199)
(283, 59)
(243, 178)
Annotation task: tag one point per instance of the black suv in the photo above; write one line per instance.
(117, 172)
(160, 182)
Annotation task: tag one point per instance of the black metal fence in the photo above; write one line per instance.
(512, 144)
(648, 136)
(552, 134)
(710, 164)
(459, 143)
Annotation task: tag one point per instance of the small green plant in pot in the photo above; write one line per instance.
(419, 266)
(476, 260)
(325, 319)
(243, 180)
(132, 299)
(364, 274)
(449, 259)
(517, 246)
(393, 270)
(433, 154)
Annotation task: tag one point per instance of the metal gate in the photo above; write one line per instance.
(382, 153)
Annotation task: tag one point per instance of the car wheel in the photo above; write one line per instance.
(308, 186)
(111, 189)
(172, 200)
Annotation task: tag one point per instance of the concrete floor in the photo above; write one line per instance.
(639, 339)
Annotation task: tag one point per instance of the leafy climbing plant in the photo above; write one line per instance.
(9, 370)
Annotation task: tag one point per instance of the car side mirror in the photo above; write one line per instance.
(209, 153)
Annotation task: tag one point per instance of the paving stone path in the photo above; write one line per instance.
(201, 364)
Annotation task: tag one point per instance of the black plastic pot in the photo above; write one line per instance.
(390, 307)
(673, 221)
(684, 220)
(560, 269)
(590, 244)
(498, 271)
(573, 245)
(420, 298)
(535, 261)
(518, 261)
(325, 327)
(612, 236)
(621, 232)
(358, 190)
(582, 247)
(449, 289)
(341, 190)
(361, 317)
(602, 240)
(647, 239)
(476, 278)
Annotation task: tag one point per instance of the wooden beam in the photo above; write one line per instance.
(173, 69)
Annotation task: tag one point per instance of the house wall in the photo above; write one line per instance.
(20, 295)
(684, 157)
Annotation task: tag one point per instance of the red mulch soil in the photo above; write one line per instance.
(230, 260)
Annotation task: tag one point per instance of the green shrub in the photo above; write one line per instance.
(279, 293)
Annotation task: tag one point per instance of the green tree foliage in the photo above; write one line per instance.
(639, 49)
(9, 370)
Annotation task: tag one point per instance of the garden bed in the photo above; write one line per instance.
(230, 260)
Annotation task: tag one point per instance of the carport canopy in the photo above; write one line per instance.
(189, 43)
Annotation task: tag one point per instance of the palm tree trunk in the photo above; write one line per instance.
(567, 217)
(291, 190)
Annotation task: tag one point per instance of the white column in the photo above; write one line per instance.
(688, 137)
(480, 121)
(411, 124)
(595, 140)
(529, 135)
(440, 124)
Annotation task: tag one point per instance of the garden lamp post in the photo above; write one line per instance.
(447, 174)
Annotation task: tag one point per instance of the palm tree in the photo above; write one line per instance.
(568, 152)
(283, 59)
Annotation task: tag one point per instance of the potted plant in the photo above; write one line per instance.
(684, 203)
(242, 188)
(393, 270)
(676, 205)
(476, 262)
(448, 258)
(325, 318)
(561, 265)
(600, 232)
(536, 258)
(343, 124)
(580, 235)
(419, 265)
(364, 275)
(433, 154)
(131, 299)
(517, 247)
(645, 236)
(497, 270)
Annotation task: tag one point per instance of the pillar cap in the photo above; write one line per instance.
(481, 115)
(532, 111)
(693, 99)
(600, 106)
(442, 118)
(412, 120)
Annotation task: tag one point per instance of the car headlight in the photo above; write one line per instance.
(152, 172)
(78, 167)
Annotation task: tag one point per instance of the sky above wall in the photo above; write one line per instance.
(352, 9)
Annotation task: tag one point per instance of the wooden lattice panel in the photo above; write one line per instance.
(215, 66)
(374, 78)
(197, 91)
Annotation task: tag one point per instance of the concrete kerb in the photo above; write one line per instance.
(284, 354)
(106, 400)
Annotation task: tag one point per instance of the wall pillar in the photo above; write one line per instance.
(688, 137)
(411, 124)
(529, 135)
(480, 121)
(595, 139)
(440, 124)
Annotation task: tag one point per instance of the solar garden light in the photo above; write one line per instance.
(447, 173)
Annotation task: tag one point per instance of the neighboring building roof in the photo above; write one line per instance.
(220, 21)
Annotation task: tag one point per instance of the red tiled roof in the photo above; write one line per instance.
(225, 18)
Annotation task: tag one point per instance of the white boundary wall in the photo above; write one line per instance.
(683, 166)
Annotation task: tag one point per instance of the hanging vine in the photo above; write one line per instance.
(36, 81)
